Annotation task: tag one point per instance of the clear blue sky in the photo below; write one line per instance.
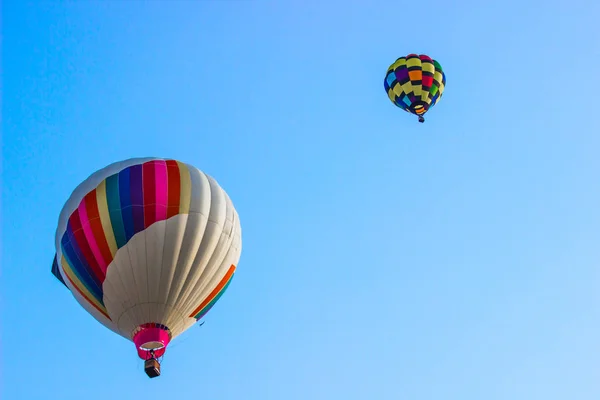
(382, 259)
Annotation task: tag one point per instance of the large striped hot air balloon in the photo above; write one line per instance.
(415, 83)
(147, 246)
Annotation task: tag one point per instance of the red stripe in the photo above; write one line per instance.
(84, 247)
(174, 185)
(425, 58)
(162, 190)
(91, 206)
(149, 184)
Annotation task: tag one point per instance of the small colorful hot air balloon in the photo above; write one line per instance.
(147, 246)
(415, 83)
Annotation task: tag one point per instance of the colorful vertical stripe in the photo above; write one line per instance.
(110, 215)
(214, 296)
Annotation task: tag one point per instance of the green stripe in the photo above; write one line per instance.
(114, 209)
(217, 297)
(85, 280)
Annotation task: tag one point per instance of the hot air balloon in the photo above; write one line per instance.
(147, 246)
(415, 83)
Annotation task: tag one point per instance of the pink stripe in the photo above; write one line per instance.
(89, 236)
(161, 190)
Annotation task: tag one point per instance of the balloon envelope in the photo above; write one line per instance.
(147, 246)
(415, 83)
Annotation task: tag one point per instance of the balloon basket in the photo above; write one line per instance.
(152, 368)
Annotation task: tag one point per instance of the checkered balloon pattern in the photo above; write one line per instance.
(415, 83)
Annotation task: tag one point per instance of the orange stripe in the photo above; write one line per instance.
(85, 297)
(215, 291)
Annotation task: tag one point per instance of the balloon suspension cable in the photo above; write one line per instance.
(153, 356)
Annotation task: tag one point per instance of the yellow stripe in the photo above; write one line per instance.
(391, 94)
(428, 67)
(407, 87)
(186, 188)
(105, 218)
(398, 63)
(80, 286)
(438, 76)
(413, 62)
(417, 90)
(398, 90)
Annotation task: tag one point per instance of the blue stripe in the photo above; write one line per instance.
(125, 196)
(137, 197)
(81, 270)
(56, 271)
(391, 78)
(75, 256)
